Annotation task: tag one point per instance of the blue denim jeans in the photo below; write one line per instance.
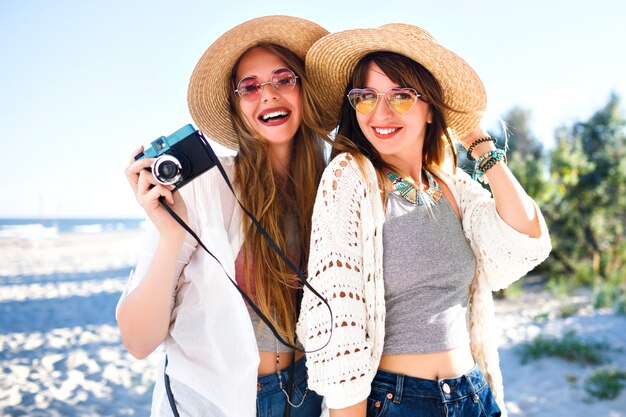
(271, 399)
(396, 395)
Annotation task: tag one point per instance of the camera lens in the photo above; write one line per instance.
(167, 170)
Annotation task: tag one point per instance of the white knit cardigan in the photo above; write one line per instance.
(346, 267)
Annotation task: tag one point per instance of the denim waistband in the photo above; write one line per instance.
(446, 389)
(269, 383)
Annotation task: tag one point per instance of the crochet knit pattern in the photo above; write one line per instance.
(345, 266)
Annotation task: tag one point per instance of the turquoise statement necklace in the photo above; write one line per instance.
(405, 187)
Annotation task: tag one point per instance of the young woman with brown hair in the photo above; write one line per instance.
(406, 247)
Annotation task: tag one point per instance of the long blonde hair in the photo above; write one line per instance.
(271, 201)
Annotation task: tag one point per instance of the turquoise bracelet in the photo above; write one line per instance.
(486, 161)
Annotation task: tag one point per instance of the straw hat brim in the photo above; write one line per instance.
(331, 61)
(209, 85)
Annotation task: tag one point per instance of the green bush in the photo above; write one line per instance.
(562, 287)
(569, 347)
(584, 274)
(568, 310)
(605, 383)
(610, 294)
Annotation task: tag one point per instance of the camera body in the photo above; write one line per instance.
(180, 157)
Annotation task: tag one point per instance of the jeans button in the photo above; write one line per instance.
(446, 388)
(377, 405)
(390, 396)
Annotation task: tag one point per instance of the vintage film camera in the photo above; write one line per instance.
(180, 157)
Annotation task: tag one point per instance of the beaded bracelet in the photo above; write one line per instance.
(486, 161)
(476, 143)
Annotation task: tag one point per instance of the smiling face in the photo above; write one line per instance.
(399, 139)
(275, 116)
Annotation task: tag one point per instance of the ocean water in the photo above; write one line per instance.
(49, 228)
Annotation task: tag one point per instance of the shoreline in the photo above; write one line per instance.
(69, 252)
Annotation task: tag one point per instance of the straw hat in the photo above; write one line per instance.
(210, 81)
(330, 62)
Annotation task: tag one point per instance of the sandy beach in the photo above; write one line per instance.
(60, 349)
(61, 354)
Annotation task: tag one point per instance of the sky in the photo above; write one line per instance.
(84, 83)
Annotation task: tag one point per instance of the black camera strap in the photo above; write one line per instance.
(168, 391)
(245, 296)
(215, 160)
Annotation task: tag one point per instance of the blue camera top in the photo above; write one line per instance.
(162, 145)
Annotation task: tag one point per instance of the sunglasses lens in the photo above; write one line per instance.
(401, 100)
(283, 79)
(363, 100)
(249, 88)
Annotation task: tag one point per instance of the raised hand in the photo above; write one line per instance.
(147, 192)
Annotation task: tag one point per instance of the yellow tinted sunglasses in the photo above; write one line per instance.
(400, 99)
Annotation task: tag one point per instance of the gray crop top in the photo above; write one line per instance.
(266, 341)
(428, 266)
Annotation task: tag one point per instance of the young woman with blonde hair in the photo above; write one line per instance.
(249, 92)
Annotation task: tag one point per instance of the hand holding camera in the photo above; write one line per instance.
(147, 193)
(168, 164)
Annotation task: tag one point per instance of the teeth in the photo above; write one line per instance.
(273, 114)
(385, 131)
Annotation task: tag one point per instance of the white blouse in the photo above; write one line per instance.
(211, 346)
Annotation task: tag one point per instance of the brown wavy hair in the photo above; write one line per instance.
(271, 199)
(406, 73)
